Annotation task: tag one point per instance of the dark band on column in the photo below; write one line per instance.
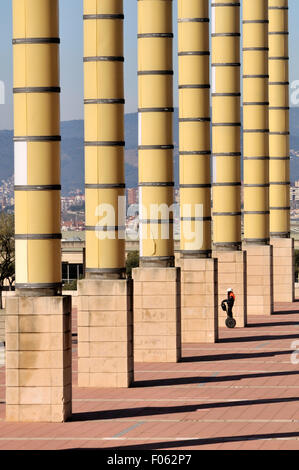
(193, 20)
(38, 138)
(35, 187)
(104, 58)
(203, 185)
(199, 119)
(156, 110)
(103, 17)
(46, 236)
(264, 185)
(40, 285)
(227, 184)
(105, 101)
(36, 41)
(155, 72)
(202, 53)
(256, 212)
(155, 35)
(195, 152)
(37, 89)
(104, 143)
(194, 87)
(155, 147)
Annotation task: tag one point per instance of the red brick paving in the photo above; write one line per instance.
(241, 393)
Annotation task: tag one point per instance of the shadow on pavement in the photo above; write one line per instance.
(163, 410)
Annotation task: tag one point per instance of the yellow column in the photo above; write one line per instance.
(104, 138)
(226, 124)
(194, 125)
(256, 122)
(279, 119)
(226, 142)
(105, 321)
(38, 328)
(279, 165)
(256, 156)
(198, 270)
(156, 283)
(37, 145)
(155, 77)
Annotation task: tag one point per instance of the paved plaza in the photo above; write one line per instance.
(241, 393)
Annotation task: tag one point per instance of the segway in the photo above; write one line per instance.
(230, 322)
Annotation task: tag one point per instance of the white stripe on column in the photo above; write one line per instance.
(20, 162)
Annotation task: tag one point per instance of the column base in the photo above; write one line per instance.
(232, 273)
(199, 300)
(283, 269)
(105, 333)
(38, 359)
(157, 316)
(259, 279)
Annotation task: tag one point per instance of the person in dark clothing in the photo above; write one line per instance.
(230, 321)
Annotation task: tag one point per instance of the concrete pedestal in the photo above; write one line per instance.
(232, 273)
(283, 269)
(259, 279)
(157, 316)
(38, 359)
(105, 333)
(199, 300)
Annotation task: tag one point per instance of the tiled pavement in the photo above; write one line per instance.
(241, 393)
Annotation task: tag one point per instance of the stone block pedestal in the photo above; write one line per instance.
(259, 279)
(283, 269)
(232, 273)
(157, 316)
(38, 359)
(105, 333)
(199, 300)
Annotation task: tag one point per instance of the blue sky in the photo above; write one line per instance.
(71, 51)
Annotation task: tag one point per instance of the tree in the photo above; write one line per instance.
(132, 262)
(7, 251)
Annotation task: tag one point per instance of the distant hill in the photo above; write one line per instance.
(72, 151)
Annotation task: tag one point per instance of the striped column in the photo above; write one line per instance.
(194, 127)
(256, 122)
(279, 151)
(226, 124)
(104, 138)
(157, 332)
(38, 329)
(198, 269)
(155, 88)
(279, 119)
(256, 157)
(37, 146)
(226, 142)
(105, 322)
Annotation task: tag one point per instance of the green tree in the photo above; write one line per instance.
(7, 251)
(132, 262)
